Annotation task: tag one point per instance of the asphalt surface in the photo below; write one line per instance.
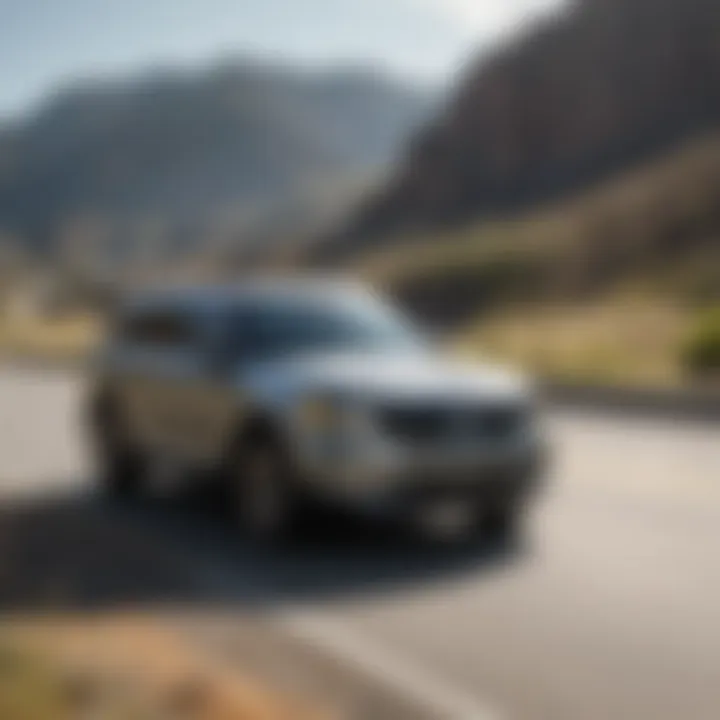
(609, 608)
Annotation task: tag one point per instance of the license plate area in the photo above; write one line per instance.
(471, 486)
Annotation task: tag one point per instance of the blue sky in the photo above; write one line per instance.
(46, 43)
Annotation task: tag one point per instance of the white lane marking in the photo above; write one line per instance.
(374, 661)
(396, 672)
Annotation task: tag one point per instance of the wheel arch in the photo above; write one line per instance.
(253, 426)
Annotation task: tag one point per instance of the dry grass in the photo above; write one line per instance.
(29, 690)
(623, 341)
(125, 669)
(477, 246)
(56, 339)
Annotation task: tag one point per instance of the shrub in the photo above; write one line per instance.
(701, 351)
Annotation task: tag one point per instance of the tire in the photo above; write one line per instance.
(501, 524)
(121, 468)
(263, 502)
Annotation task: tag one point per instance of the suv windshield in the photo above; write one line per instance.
(276, 328)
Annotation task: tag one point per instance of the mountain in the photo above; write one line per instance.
(587, 94)
(188, 156)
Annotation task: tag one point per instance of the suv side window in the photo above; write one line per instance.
(161, 328)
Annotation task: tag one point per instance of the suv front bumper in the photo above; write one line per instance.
(398, 483)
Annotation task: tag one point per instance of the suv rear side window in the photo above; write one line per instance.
(162, 328)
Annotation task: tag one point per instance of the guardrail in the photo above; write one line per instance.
(694, 403)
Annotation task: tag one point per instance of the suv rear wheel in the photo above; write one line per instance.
(501, 523)
(121, 467)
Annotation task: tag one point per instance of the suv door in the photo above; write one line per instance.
(178, 402)
(145, 362)
(178, 368)
(201, 393)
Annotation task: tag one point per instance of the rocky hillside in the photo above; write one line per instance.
(603, 87)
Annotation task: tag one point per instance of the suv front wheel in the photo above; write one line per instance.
(263, 502)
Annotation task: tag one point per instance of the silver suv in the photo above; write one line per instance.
(303, 391)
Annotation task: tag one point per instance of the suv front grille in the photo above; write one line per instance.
(442, 424)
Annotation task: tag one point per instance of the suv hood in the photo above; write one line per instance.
(377, 376)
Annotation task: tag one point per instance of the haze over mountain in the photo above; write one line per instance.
(191, 152)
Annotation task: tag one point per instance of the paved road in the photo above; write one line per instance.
(610, 610)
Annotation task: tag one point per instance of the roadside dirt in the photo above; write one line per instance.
(132, 666)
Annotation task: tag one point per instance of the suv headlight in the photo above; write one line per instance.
(320, 414)
(329, 416)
